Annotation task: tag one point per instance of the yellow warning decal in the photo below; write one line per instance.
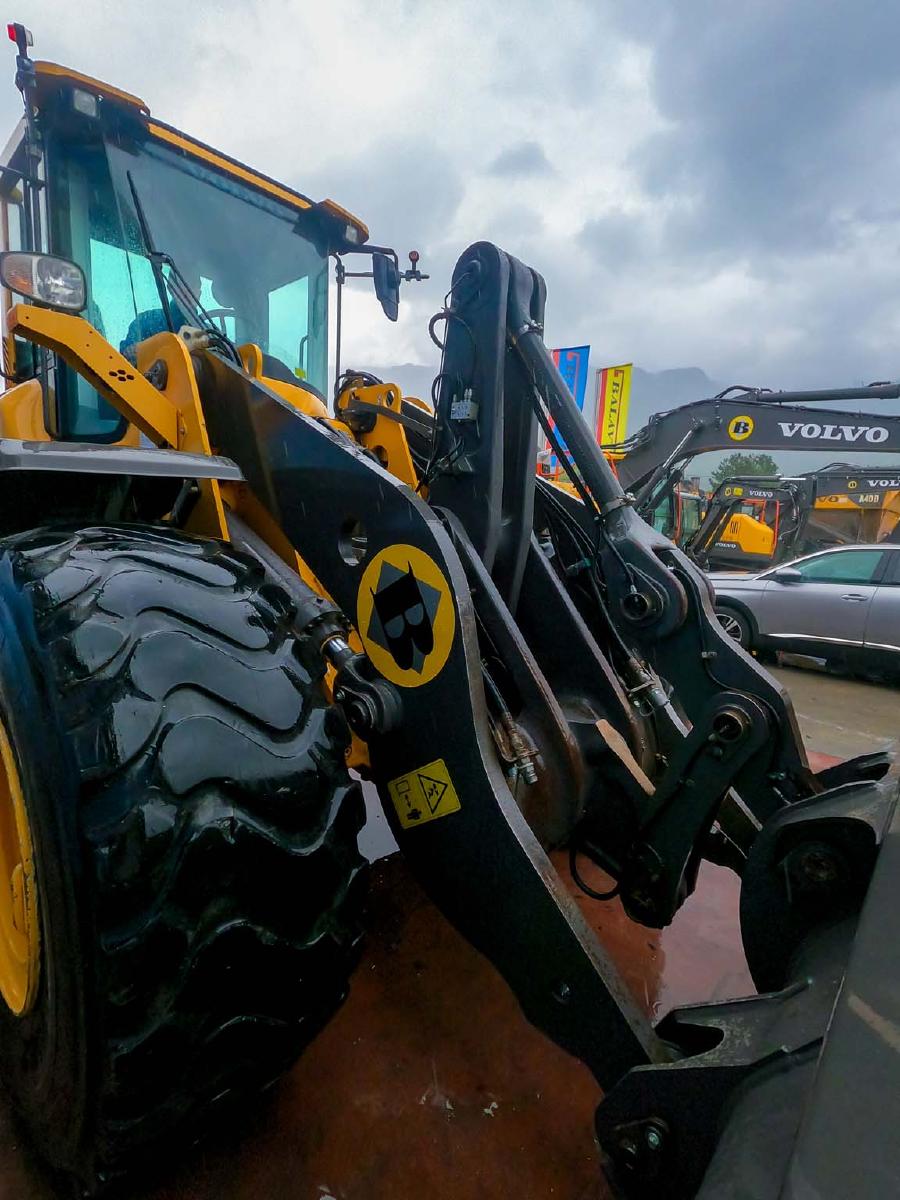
(424, 795)
(405, 615)
(740, 428)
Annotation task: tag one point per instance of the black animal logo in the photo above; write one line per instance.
(404, 619)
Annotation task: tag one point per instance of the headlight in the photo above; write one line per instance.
(56, 282)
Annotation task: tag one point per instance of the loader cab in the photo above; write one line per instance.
(114, 185)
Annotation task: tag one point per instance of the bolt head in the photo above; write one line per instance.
(653, 1138)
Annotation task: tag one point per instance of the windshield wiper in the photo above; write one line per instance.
(157, 260)
(176, 283)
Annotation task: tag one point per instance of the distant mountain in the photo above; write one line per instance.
(413, 379)
(658, 391)
(651, 392)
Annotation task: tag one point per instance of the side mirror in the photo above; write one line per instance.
(787, 575)
(386, 277)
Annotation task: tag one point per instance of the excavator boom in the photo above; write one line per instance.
(755, 421)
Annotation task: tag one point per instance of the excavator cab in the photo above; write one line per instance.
(678, 513)
(746, 519)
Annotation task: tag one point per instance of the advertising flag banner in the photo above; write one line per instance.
(572, 364)
(613, 396)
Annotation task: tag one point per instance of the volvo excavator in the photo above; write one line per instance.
(221, 589)
(753, 522)
(651, 463)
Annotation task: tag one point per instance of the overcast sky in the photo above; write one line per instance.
(700, 183)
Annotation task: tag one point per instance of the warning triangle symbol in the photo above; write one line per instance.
(432, 789)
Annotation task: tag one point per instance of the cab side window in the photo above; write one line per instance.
(847, 566)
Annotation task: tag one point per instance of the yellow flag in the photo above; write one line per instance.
(613, 395)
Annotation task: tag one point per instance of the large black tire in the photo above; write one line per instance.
(195, 837)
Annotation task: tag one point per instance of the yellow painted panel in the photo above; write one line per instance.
(22, 413)
(113, 376)
(387, 440)
(405, 615)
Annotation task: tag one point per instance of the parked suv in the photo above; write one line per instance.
(842, 604)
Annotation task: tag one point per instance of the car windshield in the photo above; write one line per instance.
(237, 249)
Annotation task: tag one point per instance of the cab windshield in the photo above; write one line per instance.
(237, 249)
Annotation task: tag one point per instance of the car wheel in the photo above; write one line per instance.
(735, 625)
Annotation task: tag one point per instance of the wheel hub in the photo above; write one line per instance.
(730, 625)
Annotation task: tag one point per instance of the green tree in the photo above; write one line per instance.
(743, 464)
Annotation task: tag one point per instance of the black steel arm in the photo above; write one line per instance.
(644, 602)
(481, 862)
(855, 482)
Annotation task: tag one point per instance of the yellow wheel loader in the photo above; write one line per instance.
(221, 590)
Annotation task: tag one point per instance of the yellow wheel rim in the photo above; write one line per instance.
(20, 938)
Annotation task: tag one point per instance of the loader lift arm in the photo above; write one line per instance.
(535, 747)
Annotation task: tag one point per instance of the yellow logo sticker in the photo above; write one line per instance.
(740, 428)
(405, 615)
(852, 483)
(424, 795)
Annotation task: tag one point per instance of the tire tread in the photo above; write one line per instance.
(217, 819)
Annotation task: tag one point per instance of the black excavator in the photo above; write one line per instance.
(217, 591)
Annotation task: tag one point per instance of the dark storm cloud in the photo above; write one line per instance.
(525, 158)
(407, 191)
(784, 122)
(616, 239)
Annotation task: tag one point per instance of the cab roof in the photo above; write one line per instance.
(50, 75)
